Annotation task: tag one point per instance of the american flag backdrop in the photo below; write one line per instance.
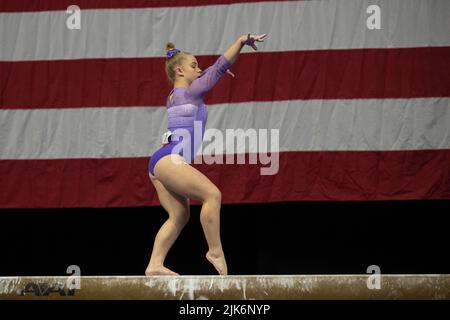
(362, 114)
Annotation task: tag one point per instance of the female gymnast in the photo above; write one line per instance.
(174, 179)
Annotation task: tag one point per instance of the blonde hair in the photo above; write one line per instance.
(174, 61)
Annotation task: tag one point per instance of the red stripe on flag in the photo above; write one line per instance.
(51, 5)
(268, 76)
(122, 182)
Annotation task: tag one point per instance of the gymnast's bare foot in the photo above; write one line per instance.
(159, 271)
(218, 261)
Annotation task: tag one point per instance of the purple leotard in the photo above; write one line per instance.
(188, 106)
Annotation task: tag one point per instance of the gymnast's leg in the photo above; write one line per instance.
(185, 180)
(178, 209)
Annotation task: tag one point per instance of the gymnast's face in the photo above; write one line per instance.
(189, 69)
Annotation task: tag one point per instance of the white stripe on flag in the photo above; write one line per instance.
(302, 25)
(304, 125)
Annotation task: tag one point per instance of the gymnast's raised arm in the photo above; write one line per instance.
(212, 74)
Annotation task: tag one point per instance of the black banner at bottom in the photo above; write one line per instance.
(223, 309)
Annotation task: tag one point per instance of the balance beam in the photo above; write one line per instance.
(258, 287)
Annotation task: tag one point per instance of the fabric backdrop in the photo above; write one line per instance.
(362, 114)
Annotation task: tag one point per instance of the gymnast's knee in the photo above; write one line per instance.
(180, 219)
(214, 196)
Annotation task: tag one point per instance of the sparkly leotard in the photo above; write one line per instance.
(186, 109)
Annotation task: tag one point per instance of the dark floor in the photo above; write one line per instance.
(278, 238)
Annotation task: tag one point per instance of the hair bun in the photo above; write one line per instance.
(169, 46)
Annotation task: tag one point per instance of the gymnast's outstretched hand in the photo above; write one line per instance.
(250, 39)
